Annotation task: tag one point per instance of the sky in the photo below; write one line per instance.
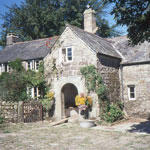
(3, 9)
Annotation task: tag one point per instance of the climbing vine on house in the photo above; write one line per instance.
(94, 83)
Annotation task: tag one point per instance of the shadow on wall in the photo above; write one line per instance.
(142, 127)
(52, 110)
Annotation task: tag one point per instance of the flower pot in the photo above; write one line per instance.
(87, 123)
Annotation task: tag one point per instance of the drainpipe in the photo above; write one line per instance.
(122, 94)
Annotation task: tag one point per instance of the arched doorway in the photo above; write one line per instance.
(68, 94)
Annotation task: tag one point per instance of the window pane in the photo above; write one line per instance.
(69, 53)
(37, 65)
(69, 50)
(28, 65)
(69, 58)
(5, 68)
(132, 89)
(35, 92)
(132, 95)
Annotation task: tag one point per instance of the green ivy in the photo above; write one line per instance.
(93, 81)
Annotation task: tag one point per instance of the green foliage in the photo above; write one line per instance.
(16, 65)
(89, 73)
(109, 112)
(13, 85)
(136, 15)
(94, 81)
(34, 19)
(46, 103)
(113, 113)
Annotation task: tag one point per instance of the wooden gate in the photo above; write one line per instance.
(32, 112)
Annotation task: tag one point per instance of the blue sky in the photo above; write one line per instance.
(3, 9)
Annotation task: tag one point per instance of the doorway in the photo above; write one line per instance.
(68, 94)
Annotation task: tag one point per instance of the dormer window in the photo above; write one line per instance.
(67, 54)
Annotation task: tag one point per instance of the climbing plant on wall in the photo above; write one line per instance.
(94, 83)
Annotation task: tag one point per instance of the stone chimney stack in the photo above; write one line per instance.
(90, 20)
(11, 39)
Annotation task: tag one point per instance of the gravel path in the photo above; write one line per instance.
(41, 136)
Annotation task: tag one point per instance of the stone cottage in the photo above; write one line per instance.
(124, 68)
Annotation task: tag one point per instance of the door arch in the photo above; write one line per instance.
(68, 94)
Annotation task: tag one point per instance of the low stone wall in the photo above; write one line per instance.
(9, 111)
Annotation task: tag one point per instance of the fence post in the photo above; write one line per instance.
(20, 111)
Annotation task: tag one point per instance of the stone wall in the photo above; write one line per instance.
(108, 68)
(9, 111)
(138, 75)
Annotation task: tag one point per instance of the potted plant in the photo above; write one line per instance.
(84, 104)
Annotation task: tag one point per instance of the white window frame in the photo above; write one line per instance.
(31, 92)
(36, 65)
(66, 54)
(129, 92)
(31, 65)
(67, 60)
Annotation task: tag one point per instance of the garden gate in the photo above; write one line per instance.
(32, 112)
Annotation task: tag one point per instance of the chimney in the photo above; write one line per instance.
(11, 39)
(90, 20)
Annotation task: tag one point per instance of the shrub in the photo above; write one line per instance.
(113, 113)
(47, 102)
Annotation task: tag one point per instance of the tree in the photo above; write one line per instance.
(35, 19)
(136, 15)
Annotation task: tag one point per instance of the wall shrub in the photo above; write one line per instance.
(113, 113)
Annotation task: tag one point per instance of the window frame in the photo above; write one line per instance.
(129, 92)
(67, 49)
(31, 64)
(35, 62)
(65, 58)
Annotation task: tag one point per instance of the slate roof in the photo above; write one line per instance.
(131, 54)
(35, 49)
(96, 43)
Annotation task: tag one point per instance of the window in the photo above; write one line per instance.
(33, 92)
(67, 54)
(131, 92)
(37, 65)
(30, 65)
(29, 91)
(5, 67)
